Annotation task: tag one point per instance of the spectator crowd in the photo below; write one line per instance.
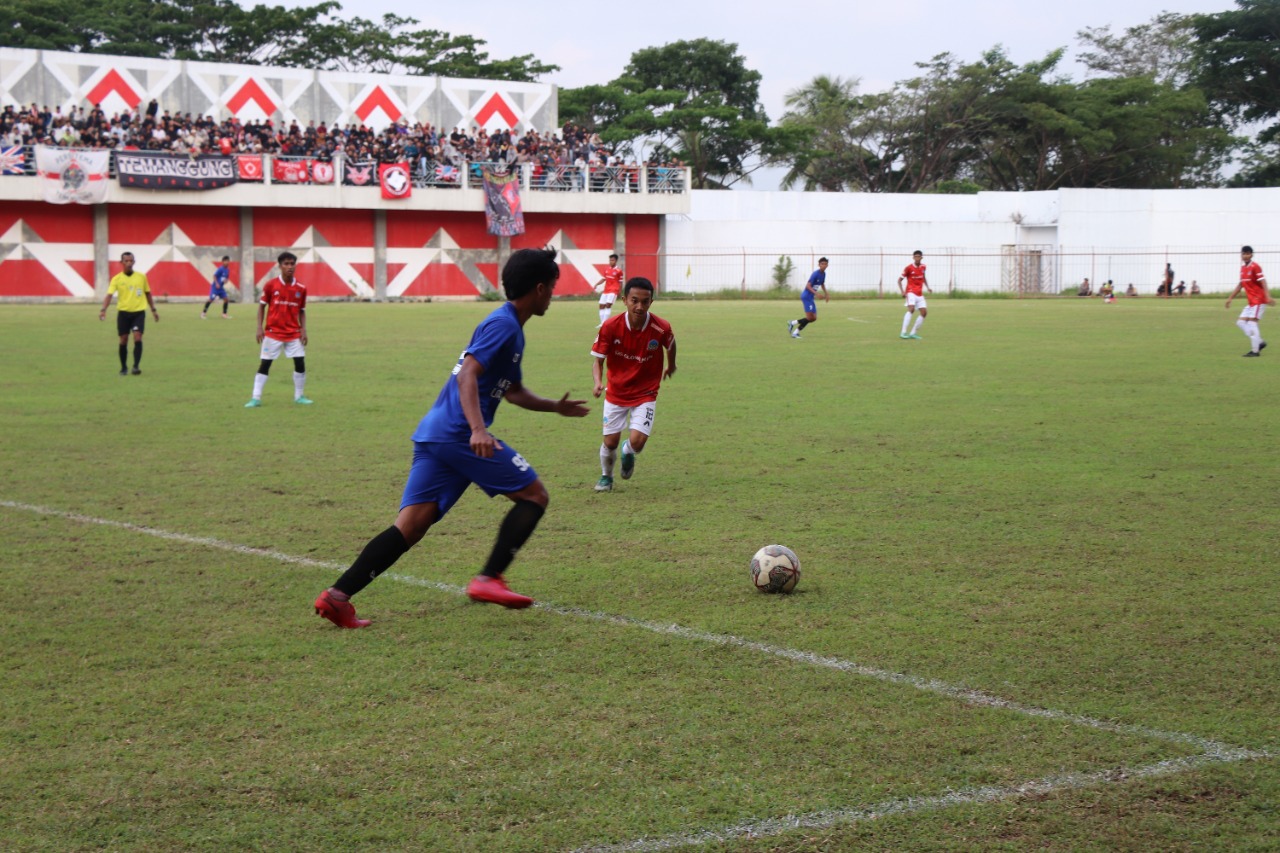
(432, 151)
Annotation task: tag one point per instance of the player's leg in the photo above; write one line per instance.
(920, 315)
(294, 350)
(615, 421)
(1248, 323)
(137, 348)
(124, 324)
(271, 349)
(205, 310)
(225, 304)
(906, 318)
(641, 425)
(505, 473)
(606, 306)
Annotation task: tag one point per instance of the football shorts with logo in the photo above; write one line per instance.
(271, 348)
(916, 300)
(809, 301)
(638, 417)
(442, 470)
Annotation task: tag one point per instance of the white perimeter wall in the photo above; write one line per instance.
(733, 239)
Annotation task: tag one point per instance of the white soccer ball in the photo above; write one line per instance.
(775, 568)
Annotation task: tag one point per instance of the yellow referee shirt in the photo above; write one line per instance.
(130, 291)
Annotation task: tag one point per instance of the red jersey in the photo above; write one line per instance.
(633, 358)
(612, 280)
(1254, 283)
(284, 303)
(915, 279)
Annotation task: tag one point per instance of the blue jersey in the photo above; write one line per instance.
(220, 277)
(498, 344)
(818, 279)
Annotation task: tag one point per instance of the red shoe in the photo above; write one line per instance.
(496, 591)
(340, 613)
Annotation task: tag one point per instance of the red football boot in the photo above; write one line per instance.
(340, 613)
(496, 591)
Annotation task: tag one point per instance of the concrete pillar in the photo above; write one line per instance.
(101, 252)
(620, 238)
(379, 256)
(248, 271)
(504, 252)
(662, 254)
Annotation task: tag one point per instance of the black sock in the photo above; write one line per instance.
(379, 555)
(516, 529)
(803, 323)
(137, 354)
(224, 307)
(124, 356)
(205, 309)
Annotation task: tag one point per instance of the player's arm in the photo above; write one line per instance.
(925, 279)
(671, 360)
(526, 399)
(262, 316)
(1234, 293)
(302, 323)
(825, 297)
(597, 375)
(482, 444)
(102, 315)
(901, 292)
(152, 304)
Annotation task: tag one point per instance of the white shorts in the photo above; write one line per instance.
(916, 300)
(1253, 312)
(616, 418)
(608, 298)
(271, 348)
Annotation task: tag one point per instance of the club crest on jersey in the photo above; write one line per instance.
(653, 345)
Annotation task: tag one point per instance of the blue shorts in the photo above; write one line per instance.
(809, 301)
(217, 293)
(441, 472)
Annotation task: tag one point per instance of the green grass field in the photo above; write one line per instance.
(1067, 505)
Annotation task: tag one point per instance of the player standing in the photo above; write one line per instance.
(917, 284)
(133, 297)
(453, 448)
(629, 347)
(808, 299)
(284, 307)
(612, 282)
(218, 287)
(1254, 285)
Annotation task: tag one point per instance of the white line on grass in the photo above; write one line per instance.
(1212, 748)
(773, 826)
(856, 320)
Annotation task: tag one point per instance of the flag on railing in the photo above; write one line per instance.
(249, 166)
(72, 175)
(503, 211)
(446, 173)
(358, 174)
(290, 171)
(394, 179)
(158, 170)
(321, 172)
(13, 161)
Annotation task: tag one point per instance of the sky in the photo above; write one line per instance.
(788, 41)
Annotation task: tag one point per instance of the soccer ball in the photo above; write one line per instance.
(775, 568)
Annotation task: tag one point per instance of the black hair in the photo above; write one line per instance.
(639, 282)
(226, 257)
(917, 252)
(823, 261)
(528, 268)
(286, 256)
(613, 255)
(122, 254)
(1248, 249)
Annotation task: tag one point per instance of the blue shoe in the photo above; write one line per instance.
(253, 404)
(628, 465)
(303, 401)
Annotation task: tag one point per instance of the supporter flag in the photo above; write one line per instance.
(446, 173)
(321, 172)
(158, 170)
(503, 211)
(394, 179)
(358, 174)
(249, 166)
(13, 161)
(72, 175)
(290, 171)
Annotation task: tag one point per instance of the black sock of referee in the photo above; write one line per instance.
(379, 555)
(803, 323)
(137, 354)
(124, 356)
(516, 529)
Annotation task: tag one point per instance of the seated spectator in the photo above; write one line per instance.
(1181, 289)
(1107, 290)
(1195, 288)
(1085, 289)
(1131, 290)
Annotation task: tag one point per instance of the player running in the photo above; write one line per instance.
(630, 347)
(612, 282)
(453, 448)
(917, 284)
(218, 287)
(133, 297)
(284, 305)
(1254, 285)
(808, 299)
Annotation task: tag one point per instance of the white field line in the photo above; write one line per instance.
(856, 320)
(773, 826)
(1210, 748)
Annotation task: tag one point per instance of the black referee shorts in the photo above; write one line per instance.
(131, 321)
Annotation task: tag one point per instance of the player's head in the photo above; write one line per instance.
(1246, 253)
(287, 261)
(638, 296)
(226, 259)
(917, 256)
(613, 260)
(531, 273)
(126, 261)
(822, 263)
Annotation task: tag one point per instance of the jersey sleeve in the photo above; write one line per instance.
(601, 347)
(669, 338)
(490, 337)
(114, 286)
(302, 300)
(267, 293)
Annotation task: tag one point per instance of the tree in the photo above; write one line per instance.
(1162, 49)
(824, 110)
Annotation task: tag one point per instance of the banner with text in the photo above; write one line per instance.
(72, 175)
(503, 211)
(156, 170)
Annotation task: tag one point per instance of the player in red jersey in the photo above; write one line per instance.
(612, 282)
(629, 347)
(917, 284)
(284, 307)
(1254, 285)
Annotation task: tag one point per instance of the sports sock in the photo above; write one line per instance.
(801, 323)
(137, 354)
(259, 381)
(124, 356)
(205, 309)
(604, 314)
(628, 447)
(299, 381)
(1255, 337)
(607, 455)
(379, 555)
(516, 529)
(906, 321)
(225, 305)
(919, 323)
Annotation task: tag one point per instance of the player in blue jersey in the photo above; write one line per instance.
(808, 298)
(218, 287)
(453, 448)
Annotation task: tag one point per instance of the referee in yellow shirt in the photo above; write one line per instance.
(133, 297)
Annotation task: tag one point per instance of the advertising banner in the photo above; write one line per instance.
(156, 170)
